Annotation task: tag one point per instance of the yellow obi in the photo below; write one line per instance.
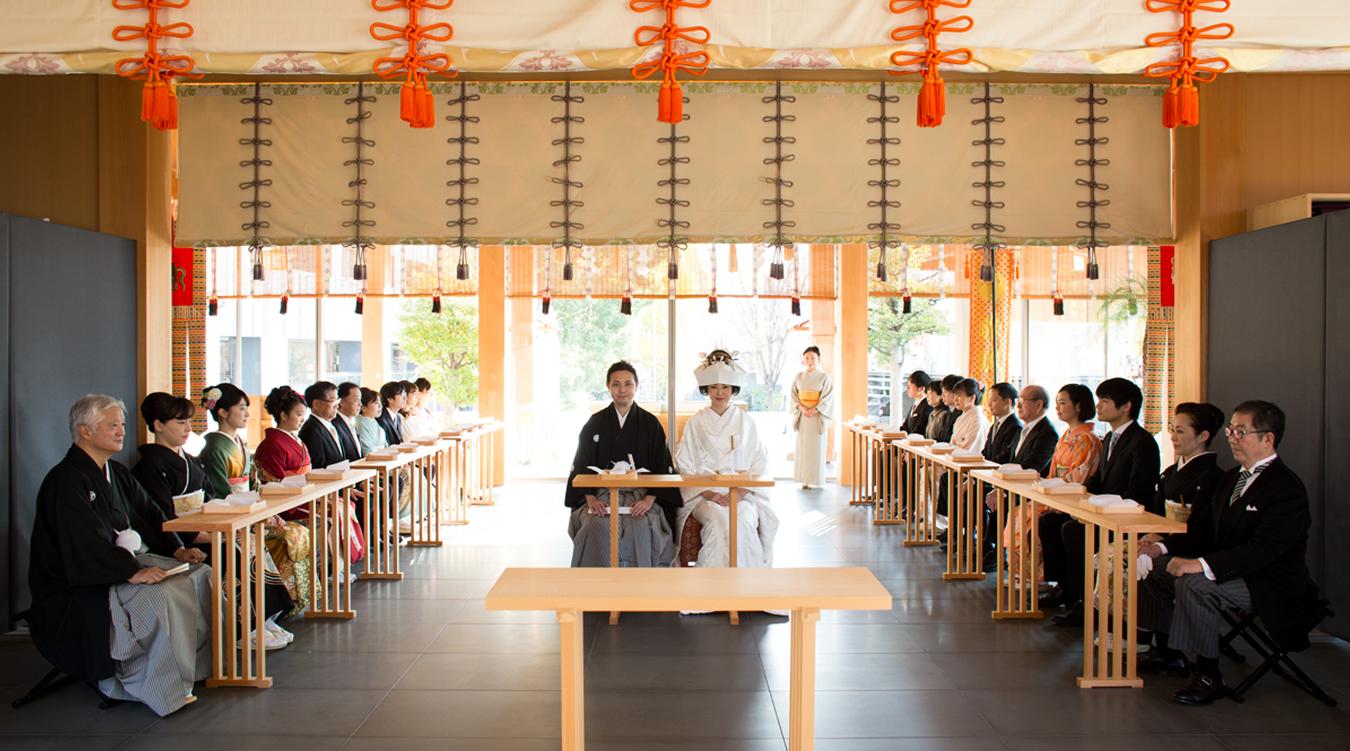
(809, 399)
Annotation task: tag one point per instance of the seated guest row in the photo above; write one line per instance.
(98, 533)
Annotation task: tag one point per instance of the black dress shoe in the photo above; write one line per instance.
(1201, 689)
(1072, 617)
(1051, 599)
(1158, 661)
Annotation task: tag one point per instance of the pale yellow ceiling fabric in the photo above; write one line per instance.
(619, 171)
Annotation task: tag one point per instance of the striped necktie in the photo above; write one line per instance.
(1244, 477)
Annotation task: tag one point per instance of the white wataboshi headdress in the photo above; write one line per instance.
(719, 367)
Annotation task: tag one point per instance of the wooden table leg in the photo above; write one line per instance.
(570, 628)
(613, 541)
(1114, 663)
(218, 626)
(328, 575)
(733, 500)
(802, 700)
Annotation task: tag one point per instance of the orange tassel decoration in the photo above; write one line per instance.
(670, 100)
(159, 105)
(416, 103)
(1181, 102)
(933, 94)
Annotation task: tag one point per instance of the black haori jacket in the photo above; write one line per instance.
(75, 559)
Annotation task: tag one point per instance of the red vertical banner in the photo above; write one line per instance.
(182, 277)
(1167, 289)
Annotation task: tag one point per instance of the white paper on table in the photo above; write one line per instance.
(966, 452)
(241, 499)
(295, 481)
(1010, 468)
(341, 466)
(1105, 499)
(942, 445)
(1050, 482)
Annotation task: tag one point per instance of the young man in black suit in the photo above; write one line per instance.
(393, 396)
(349, 406)
(1129, 467)
(1243, 548)
(917, 389)
(1003, 433)
(318, 433)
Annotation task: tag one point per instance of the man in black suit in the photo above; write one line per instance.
(393, 396)
(318, 433)
(1129, 467)
(1035, 447)
(1243, 548)
(917, 390)
(1003, 433)
(947, 419)
(349, 406)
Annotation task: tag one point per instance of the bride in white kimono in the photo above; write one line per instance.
(721, 438)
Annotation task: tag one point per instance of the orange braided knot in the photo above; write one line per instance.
(416, 105)
(159, 105)
(933, 95)
(670, 104)
(1181, 103)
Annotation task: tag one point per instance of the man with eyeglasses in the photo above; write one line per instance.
(318, 433)
(1243, 548)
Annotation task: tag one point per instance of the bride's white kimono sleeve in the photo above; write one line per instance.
(726, 443)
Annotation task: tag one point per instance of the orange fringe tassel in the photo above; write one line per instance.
(1181, 102)
(933, 94)
(159, 104)
(416, 103)
(670, 100)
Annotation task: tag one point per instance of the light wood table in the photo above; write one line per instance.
(804, 591)
(1111, 660)
(237, 608)
(427, 485)
(863, 491)
(888, 498)
(920, 494)
(965, 538)
(733, 483)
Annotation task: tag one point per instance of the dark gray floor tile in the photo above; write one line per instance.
(295, 668)
(363, 636)
(910, 744)
(609, 672)
(24, 666)
(424, 589)
(1337, 742)
(870, 672)
(890, 714)
(483, 672)
(688, 715)
(234, 743)
(715, 637)
(65, 742)
(502, 638)
(1172, 742)
(452, 744)
(703, 744)
(1073, 711)
(71, 710)
(1275, 708)
(1009, 670)
(832, 638)
(929, 610)
(466, 714)
(997, 637)
(273, 712)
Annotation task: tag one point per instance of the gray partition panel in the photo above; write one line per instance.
(72, 331)
(1337, 457)
(1267, 340)
(6, 494)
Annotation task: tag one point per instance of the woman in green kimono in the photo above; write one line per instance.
(229, 469)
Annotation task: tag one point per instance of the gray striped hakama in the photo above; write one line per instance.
(643, 541)
(161, 637)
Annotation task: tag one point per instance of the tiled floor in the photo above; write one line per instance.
(424, 667)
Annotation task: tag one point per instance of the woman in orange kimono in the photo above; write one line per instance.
(1076, 457)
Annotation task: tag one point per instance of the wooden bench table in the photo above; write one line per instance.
(886, 460)
(919, 494)
(1111, 660)
(429, 471)
(965, 538)
(330, 589)
(614, 482)
(863, 492)
(804, 591)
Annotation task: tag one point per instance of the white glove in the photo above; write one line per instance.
(1143, 566)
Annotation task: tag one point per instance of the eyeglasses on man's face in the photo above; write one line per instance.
(1241, 431)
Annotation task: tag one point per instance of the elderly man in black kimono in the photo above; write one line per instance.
(104, 607)
(621, 432)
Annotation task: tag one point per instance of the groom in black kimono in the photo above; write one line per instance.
(615, 432)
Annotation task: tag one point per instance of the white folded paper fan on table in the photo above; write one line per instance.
(242, 499)
(1105, 499)
(342, 466)
(1114, 504)
(295, 481)
(1051, 482)
(966, 453)
(1010, 468)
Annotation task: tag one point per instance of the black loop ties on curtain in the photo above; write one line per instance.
(567, 203)
(674, 241)
(988, 245)
(884, 228)
(359, 242)
(1095, 186)
(460, 184)
(778, 224)
(256, 204)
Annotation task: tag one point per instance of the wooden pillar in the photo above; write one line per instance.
(135, 164)
(851, 385)
(1191, 269)
(492, 346)
(823, 330)
(521, 424)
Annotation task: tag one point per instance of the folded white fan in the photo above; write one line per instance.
(1105, 499)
